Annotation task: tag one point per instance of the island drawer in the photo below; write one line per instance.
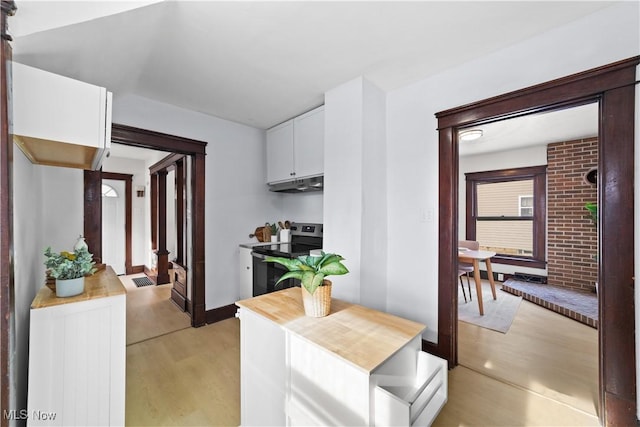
(413, 398)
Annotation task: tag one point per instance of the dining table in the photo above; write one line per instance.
(475, 257)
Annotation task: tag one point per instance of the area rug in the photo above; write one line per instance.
(498, 314)
(142, 281)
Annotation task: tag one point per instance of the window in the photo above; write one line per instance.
(108, 191)
(525, 205)
(506, 213)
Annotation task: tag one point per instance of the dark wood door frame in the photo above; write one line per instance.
(176, 163)
(8, 8)
(613, 86)
(136, 137)
(128, 217)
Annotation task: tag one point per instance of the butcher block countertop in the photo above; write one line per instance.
(362, 336)
(103, 283)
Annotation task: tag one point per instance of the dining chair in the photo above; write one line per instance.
(464, 268)
(460, 274)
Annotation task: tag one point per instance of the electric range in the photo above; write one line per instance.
(304, 238)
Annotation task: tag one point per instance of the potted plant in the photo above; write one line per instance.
(311, 271)
(69, 270)
(273, 228)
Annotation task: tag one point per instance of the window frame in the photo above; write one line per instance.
(539, 176)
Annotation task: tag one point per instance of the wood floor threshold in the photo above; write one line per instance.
(158, 336)
(528, 390)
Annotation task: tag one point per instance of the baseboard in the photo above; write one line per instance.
(221, 313)
(149, 272)
(178, 299)
(135, 269)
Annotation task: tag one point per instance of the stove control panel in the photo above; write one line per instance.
(306, 229)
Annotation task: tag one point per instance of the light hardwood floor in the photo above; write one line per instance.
(542, 373)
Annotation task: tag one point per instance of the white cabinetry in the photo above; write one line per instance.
(357, 366)
(263, 373)
(295, 148)
(245, 272)
(280, 153)
(77, 356)
(58, 121)
(409, 389)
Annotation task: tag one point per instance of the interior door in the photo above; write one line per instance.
(113, 224)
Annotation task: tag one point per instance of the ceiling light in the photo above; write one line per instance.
(470, 135)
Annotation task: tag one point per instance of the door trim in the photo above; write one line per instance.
(135, 137)
(7, 8)
(128, 216)
(613, 86)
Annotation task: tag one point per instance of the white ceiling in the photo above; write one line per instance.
(535, 129)
(260, 63)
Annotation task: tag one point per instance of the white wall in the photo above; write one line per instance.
(355, 195)
(138, 169)
(506, 159)
(236, 198)
(48, 211)
(302, 207)
(343, 132)
(28, 262)
(412, 139)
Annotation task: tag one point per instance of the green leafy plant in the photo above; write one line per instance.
(311, 270)
(593, 211)
(274, 228)
(69, 265)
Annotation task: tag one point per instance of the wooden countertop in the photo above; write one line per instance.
(360, 335)
(104, 283)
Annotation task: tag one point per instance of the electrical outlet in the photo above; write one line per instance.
(500, 277)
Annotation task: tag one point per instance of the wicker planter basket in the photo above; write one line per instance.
(318, 304)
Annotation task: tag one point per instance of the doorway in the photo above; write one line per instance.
(542, 158)
(612, 86)
(192, 149)
(113, 225)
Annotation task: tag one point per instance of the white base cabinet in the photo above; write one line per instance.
(245, 272)
(262, 371)
(293, 375)
(77, 361)
(409, 389)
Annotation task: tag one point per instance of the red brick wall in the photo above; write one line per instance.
(572, 236)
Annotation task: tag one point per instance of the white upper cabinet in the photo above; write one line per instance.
(58, 121)
(280, 153)
(295, 148)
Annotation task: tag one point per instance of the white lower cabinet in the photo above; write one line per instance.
(262, 371)
(245, 272)
(287, 379)
(412, 393)
(77, 360)
(409, 389)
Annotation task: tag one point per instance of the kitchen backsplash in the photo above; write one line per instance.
(303, 207)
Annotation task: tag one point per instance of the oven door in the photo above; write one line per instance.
(266, 274)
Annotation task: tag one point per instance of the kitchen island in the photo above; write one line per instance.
(77, 355)
(357, 366)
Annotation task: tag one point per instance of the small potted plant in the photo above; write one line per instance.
(273, 229)
(69, 270)
(311, 271)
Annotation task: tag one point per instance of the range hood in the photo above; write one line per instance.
(58, 121)
(315, 183)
